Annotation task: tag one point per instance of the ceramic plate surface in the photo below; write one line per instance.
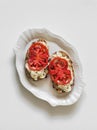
(43, 88)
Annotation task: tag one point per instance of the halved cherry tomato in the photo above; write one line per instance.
(37, 56)
(58, 69)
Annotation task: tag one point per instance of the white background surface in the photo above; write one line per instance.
(76, 22)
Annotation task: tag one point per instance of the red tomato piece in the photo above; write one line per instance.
(37, 56)
(58, 69)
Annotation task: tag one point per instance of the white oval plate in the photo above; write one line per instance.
(43, 88)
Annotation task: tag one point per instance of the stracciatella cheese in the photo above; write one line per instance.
(37, 74)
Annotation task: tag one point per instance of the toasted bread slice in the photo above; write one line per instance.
(38, 60)
(61, 83)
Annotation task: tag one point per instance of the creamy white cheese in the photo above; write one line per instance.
(67, 87)
(36, 74)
